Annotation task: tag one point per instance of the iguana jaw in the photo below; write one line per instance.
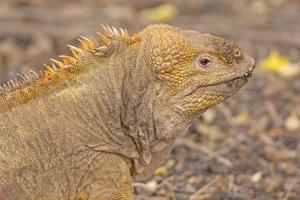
(228, 82)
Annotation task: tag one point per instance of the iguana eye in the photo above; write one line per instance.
(203, 62)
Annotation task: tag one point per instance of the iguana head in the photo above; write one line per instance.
(195, 71)
(192, 72)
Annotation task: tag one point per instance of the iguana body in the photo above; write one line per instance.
(107, 115)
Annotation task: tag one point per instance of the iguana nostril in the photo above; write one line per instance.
(237, 53)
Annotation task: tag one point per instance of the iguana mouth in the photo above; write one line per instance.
(245, 77)
(229, 82)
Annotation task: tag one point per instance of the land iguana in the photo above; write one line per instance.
(92, 123)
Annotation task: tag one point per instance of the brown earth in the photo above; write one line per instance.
(245, 148)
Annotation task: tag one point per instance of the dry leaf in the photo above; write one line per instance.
(162, 13)
(151, 186)
(243, 118)
(161, 171)
(274, 62)
(292, 123)
(256, 177)
(290, 71)
(280, 65)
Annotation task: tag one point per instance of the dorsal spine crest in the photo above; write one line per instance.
(30, 85)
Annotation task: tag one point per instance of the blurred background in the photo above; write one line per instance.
(246, 148)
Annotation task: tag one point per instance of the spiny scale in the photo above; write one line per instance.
(69, 60)
(104, 39)
(20, 80)
(114, 32)
(91, 44)
(57, 63)
(75, 51)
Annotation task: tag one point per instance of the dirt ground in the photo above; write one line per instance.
(245, 148)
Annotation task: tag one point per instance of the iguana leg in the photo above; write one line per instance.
(112, 180)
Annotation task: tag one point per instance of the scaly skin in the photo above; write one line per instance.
(107, 115)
